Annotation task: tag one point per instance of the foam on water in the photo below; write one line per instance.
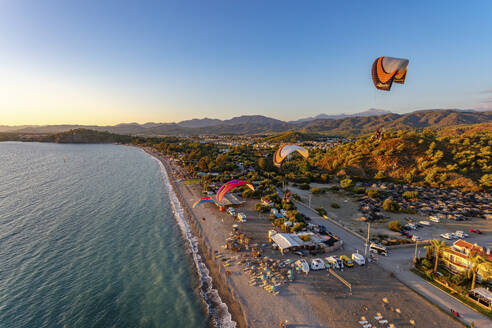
(217, 309)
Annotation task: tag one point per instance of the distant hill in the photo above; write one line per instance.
(86, 136)
(415, 120)
(199, 123)
(369, 112)
(258, 124)
(292, 136)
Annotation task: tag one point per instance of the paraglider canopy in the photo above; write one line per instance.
(386, 70)
(228, 186)
(225, 184)
(285, 151)
(203, 200)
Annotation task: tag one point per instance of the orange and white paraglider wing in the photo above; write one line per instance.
(386, 70)
(285, 151)
(277, 158)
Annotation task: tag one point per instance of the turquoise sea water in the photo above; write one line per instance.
(88, 239)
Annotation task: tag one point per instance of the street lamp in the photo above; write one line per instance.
(368, 236)
(415, 255)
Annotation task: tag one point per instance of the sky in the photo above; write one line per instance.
(107, 62)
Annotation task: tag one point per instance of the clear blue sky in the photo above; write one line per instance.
(107, 62)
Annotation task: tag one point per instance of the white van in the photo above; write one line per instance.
(317, 264)
(358, 258)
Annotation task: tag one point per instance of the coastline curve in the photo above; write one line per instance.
(217, 309)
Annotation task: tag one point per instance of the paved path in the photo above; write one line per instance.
(399, 262)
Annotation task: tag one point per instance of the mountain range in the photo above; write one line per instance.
(353, 124)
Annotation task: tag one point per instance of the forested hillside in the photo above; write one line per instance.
(452, 157)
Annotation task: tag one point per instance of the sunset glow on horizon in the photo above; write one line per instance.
(96, 63)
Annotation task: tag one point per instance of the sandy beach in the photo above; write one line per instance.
(316, 300)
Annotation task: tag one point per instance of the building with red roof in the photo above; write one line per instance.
(456, 257)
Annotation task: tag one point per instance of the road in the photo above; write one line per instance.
(350, 241)
(399, 262)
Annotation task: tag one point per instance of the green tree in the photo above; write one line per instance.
(437, 244)
(321, 211)
(221, 162)
(203, 163)
(390, 205)
(486, 180)
(477, 262)
(346, 183)
(334, 205)
(395, 226)
(373, 193)
(379, 175)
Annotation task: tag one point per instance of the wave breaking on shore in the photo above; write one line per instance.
(217, 309)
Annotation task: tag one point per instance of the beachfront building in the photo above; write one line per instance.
(306, 240)
(232, 200)
(456, 258)
(287, 241)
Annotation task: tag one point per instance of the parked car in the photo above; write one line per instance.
(317, 264)
(434, 219)
(424, 223)
(416, 238)
(446, 236)
(461, 234)
(453, 236)
(358, 258)
(475, 231)
(410, 226)
(334, 262)
(346, 261)
(404, 234)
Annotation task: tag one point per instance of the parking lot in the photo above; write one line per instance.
(435, 230)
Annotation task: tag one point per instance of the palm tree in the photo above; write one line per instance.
(437, 244)
(477, 262)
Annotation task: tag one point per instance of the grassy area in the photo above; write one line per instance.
(192, 181)
(456, 295)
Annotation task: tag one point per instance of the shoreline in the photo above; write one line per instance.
(217, 283)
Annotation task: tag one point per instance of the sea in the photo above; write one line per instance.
(90, 237)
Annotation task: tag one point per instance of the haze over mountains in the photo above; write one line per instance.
(369, 112)
(353, 124)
